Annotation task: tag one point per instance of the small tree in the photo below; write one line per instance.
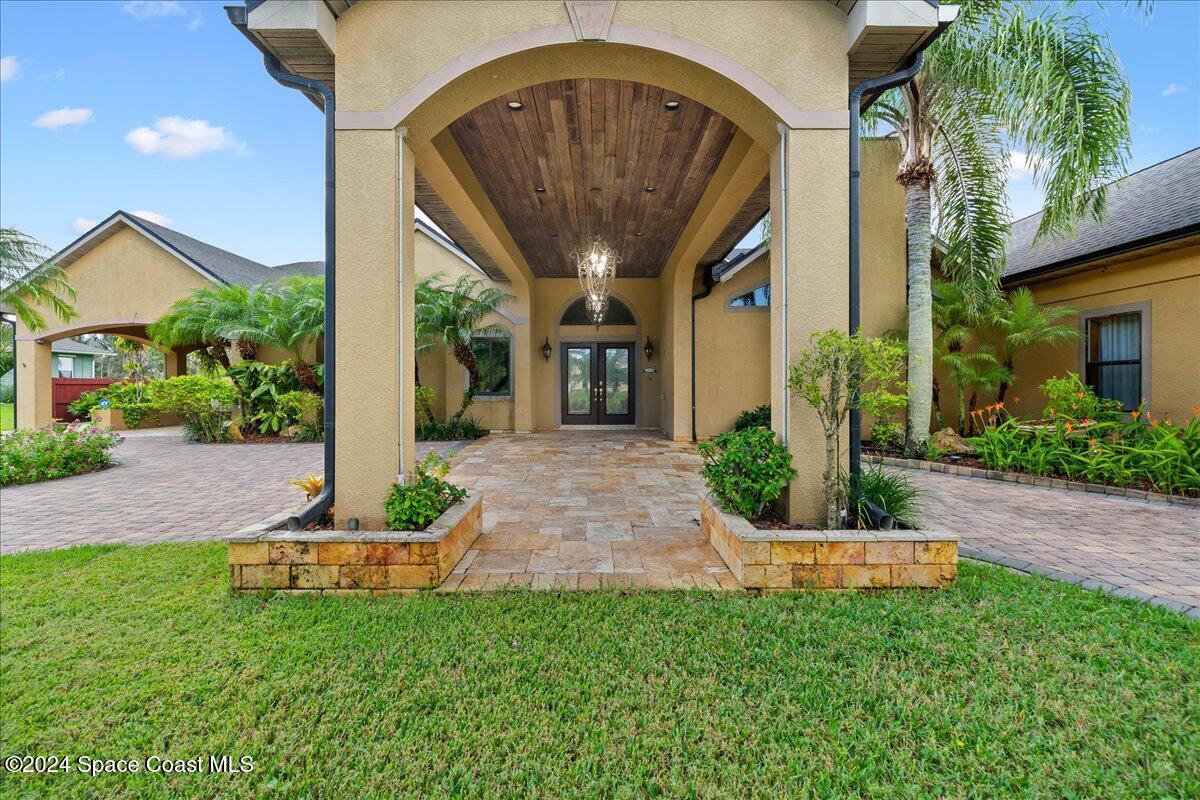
(833, 374)
(1023, 324)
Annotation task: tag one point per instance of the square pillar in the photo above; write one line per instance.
(810, 291)
(174, 363)
(35, 392)
(375, 275)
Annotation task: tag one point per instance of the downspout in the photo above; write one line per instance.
(320, 93)
(709, 282)
(875, 86)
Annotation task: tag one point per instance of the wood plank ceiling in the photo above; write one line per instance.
(594, 146)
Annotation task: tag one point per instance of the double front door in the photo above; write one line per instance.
(597, 383)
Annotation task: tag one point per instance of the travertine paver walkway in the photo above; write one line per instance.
(586, 509)
(1145, 550)
(162, 488)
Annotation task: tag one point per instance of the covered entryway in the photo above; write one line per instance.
(584, 510)
(596, 387)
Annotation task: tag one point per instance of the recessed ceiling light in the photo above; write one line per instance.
(651, 189)
(639, 233)
(515, 105)
(539, 188)
(554, 236)
(671, 105)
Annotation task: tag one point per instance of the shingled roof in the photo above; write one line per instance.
(1153, 205)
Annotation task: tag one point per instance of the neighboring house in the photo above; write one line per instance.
(71, 360)
(1135, 278)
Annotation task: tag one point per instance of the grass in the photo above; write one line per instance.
(1000, 686)
(6, 417)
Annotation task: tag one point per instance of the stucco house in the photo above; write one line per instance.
(667, 129)
(1135, 278)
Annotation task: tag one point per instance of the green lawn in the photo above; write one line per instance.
(6, 416)
(1000, 686)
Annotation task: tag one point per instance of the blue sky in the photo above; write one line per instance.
(162, 107)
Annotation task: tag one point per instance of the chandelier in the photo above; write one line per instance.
(597, 266)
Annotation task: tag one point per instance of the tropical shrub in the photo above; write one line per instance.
(425, 496)
(1140, 452)
(834, 374)
(57, 451)
(746, 470)
(130, 398)
(887, 435)
(450, 431)
(423, 398)
(1071, 400)
(204, 405)
(305, 415)
(311, 485)
(892, 492)
(757, 417)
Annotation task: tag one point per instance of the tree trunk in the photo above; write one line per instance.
(304, 373)
(465, 356)
(247, 349)
(971, 406)
(1002, 390)
(937, 404)
(915, 178)
(831, 478)
(218, 352)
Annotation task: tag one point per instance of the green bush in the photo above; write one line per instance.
(434, 431)
(890, 491)
(305, 415)
(1139, 452)
(57, 451)
(414, 505)
(1071, 400)
(887, 435)
(424, 398)
(130, 398)
(204, 405)
(757, 417)
(746, 470)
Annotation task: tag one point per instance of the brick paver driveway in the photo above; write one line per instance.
(162, 489)
(1146, 550)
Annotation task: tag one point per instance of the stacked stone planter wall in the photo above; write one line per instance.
(114, 418)
(765, 560)
(345, 562)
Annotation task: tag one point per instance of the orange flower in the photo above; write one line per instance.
(1196, 410)
(1085, 421)
(1051, 410)
(1069, 427)
(1017, 400)
(1153, 422)
(1092, 442)
(1135, 413)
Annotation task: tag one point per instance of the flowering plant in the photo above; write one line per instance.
(56, 451)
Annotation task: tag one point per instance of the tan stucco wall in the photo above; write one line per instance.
(1170, 283)
(123, 284)
(733, 352)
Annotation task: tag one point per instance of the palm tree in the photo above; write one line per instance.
(289, 315)
(954, 324)
(971, 372)
(28, 280)
(1005, 78)
(204, 317)
(450, 314)
(1022, 324)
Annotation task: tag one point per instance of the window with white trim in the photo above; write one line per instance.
(66, 366)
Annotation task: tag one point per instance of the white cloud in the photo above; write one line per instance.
(1173, 88)
(175, 137)
(151, 10)
(1021, 165)
(83, 224)
(1144, 128)
(153, 216)
(8, 68)
(63, 116)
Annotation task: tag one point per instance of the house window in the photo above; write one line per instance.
(1114, 357)
(758, 297)
(66, 366)
(493, 358)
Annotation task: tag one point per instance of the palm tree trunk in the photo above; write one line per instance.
(915, 178)
(304, 373)
(937, 405)
(1002, 390)
(247, 349)
(465, 356)
(218, 352)
(971, 406)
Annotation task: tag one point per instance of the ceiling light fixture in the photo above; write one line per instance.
(539, 188)
(650, 189)
(671, 105)
(596, 263)
(515, 105)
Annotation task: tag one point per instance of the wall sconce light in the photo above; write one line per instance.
(648, 348)
(547, 350)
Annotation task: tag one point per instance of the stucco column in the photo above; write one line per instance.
(375, 232)
(174, 363)
(523, 378)
(809, 249)
(35, 398)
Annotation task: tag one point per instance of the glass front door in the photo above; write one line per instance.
(597, 383)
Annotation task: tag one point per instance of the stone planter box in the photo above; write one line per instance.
(358, 562)
(846, 559)
(115, 418)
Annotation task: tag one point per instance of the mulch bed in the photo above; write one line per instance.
(771, 522)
